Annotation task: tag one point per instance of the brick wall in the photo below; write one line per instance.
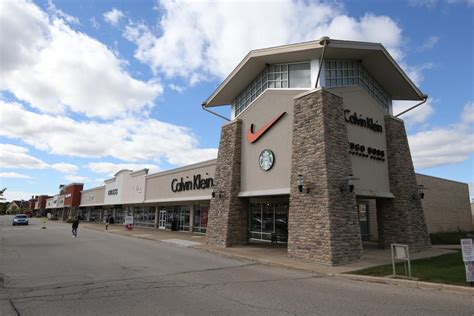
(322, 224)
(227, 219)
(403, 220)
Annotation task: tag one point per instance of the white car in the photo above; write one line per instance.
(20, 219)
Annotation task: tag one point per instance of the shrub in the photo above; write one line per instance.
(449, 238)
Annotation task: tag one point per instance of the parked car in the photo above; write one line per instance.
(20, 219)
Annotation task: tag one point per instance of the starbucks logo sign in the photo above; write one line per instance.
(266, 159)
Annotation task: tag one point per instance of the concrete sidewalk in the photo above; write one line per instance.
(262, 252)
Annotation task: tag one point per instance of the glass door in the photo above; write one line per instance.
(162, 220)
(363, 211)
(267, 219)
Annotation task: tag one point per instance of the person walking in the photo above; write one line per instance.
(75, 225)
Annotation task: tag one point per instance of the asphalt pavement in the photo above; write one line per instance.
(49, 272)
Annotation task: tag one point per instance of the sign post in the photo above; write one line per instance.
(468, 258)
(401, 252)
(129, 222)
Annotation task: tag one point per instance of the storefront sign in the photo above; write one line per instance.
(112, 192)
(361, 121)
(366, 152)
(128, 220)
(198, 183)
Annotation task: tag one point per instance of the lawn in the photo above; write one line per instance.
(447, 269)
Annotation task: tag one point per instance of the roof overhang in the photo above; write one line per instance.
(373, 56)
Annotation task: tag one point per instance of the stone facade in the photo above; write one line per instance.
(227, 219)
(322, 224)
(401, 220)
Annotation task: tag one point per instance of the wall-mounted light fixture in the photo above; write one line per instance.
(300, 184)
(215, 192)
(421, 188)
(348, 185)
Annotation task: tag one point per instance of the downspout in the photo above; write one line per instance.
(325, 42)
(203, 105)
(425, 98)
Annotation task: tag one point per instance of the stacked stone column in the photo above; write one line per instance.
(227, 219)
(403, 218)
(322, 224)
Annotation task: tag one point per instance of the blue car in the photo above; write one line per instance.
(20, 219)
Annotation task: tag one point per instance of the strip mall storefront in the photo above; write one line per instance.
(312, 157)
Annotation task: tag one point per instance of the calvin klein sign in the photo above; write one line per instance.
(198, 183)
(361, 121)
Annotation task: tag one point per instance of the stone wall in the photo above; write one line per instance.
(322, 224)
(227, 219)
(402, 219)
(446, 204)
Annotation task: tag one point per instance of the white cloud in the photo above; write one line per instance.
(423, 3)
(127, 139)
(467, 2)
(94, 23)
(55, 69)
(12, 156)
(444, 145)
(177, 88)
(113, 16)
(198, 39)
(17, 157)
(429, 43)
(468, 113)
(76, 178)
(65, 167)
(109, 168)
(415, 116)
(14, 175)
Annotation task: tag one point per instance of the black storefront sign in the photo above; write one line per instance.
(197, 183)
(361, 121)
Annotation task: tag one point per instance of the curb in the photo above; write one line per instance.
(364, 278)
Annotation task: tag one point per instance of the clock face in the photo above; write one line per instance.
(266, 159)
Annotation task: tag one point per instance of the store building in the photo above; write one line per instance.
(446, 204)
(312, 157)
(92, 201)
(40, 205)
(311, 154)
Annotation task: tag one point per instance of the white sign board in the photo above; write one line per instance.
(401, 251)
(469, 271)
(467, 251)
(129, 220)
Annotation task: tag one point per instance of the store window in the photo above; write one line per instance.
(340, 73)
(144, 216)
(200, 218)
(279, 76)
(267, 219)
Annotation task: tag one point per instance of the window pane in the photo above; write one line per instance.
(299, 76)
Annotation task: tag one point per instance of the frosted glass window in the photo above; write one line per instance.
(299, 75)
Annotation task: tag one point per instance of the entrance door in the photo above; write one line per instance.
(269, 219)
(162, 220)
(363, 211)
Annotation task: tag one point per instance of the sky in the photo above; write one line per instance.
(91, 87)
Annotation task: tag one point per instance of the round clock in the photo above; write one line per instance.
(266, 159)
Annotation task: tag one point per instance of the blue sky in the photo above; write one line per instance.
(91, 87)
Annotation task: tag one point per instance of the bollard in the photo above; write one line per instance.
(44, 224)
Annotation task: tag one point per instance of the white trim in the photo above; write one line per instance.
(182, 199)
(281, 191)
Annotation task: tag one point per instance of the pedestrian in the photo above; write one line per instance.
(107, 222)
(75, 225)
